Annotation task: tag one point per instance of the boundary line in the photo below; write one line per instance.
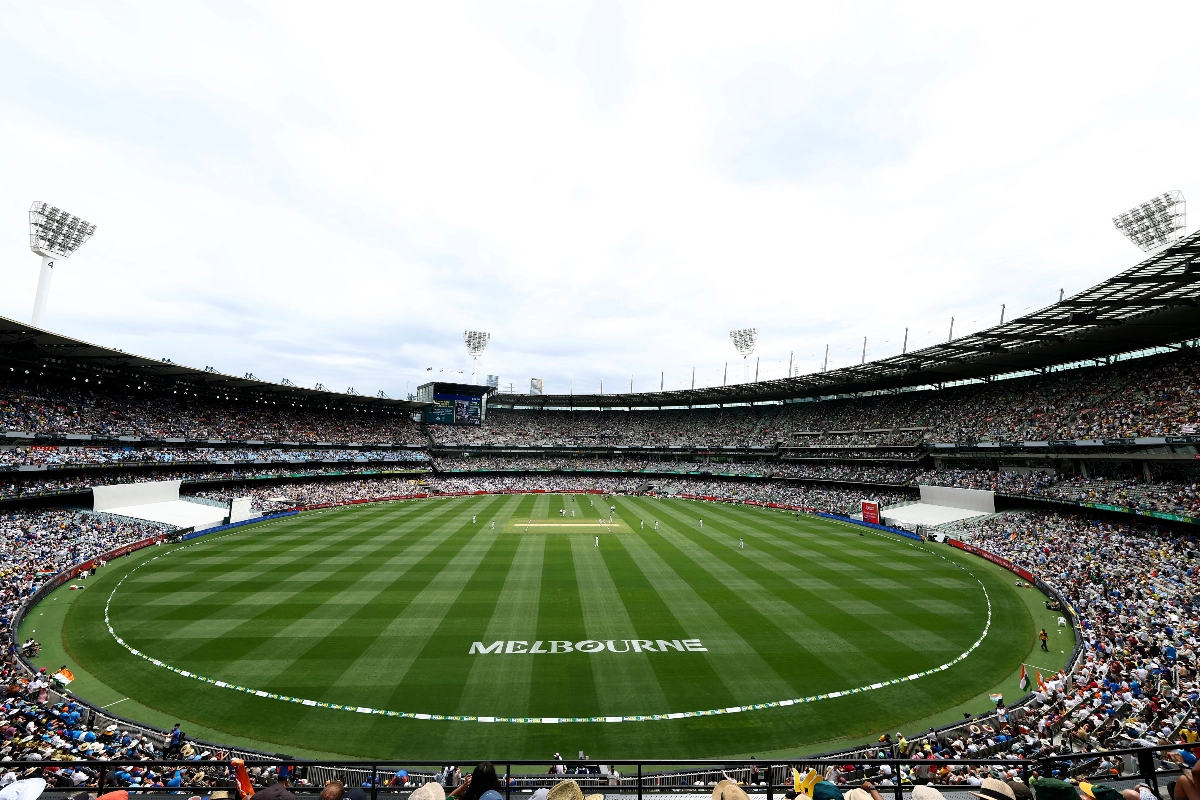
(548, 720)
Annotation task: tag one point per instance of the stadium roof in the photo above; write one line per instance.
(1153, 304)
(27, 347)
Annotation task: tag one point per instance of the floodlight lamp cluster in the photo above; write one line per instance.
(1156, 222)
(476, 342)
(55, 233)
(743, 340)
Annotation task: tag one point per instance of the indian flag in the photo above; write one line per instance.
(64, 676)
(1024, 679)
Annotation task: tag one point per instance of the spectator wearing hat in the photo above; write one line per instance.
(992, 789)
(567, 790)
(428, 791)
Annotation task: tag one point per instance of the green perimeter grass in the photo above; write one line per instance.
(378, 606)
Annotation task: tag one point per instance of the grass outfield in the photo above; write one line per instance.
(379, 606)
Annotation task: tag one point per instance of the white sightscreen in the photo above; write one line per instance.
(105, 498)
(971, 499)
(239, 510)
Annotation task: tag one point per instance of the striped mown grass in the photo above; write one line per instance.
(397, 607)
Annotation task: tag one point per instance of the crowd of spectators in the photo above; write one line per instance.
(34, 484)
(35, 546)
(1134, 590)
(75, 407)
(51, 455)
(311, 493)
(853, 454)
(817, 498)
(1178, 493)
(825, 499)
(482, 463)
(1182, 498)
(1158, 396)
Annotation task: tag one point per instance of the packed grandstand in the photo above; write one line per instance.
(1093, 465)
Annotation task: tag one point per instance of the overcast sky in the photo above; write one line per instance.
(333, 193)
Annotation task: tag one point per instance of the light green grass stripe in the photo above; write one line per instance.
(792, 541)
(735, 661)
(291, 641)
(298, 581)
(881, 619)
(250, 567)
(775, 608)
(399, 644)
(620, 679)
(459, 718)
(515, 615)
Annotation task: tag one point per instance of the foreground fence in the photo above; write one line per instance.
(765, 779)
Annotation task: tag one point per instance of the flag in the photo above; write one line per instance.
(64, 676)
(803, 785)
(1024, 679)
(1041, 683)
(241, 777)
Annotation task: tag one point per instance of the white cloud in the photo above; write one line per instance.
(607, 188)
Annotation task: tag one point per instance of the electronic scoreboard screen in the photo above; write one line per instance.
(455, 409)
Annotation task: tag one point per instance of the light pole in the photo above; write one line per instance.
(53, 234)
(743, 340)
(476, 342)
(1156, 223)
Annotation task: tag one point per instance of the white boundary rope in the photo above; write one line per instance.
(526, 720)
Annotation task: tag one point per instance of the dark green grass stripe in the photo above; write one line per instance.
(210, 561)
(689, 683)
(250, 623)
(331, 636)
(885, 660)
(846, 547)
(901, 600)
(386, 660)
(625, 682)
(171, 601)
(502, 686)
(765, 618)
(286, 632)
(849, 645)
(564, 681)
(469, 588)
(741, 667)
(818, 666)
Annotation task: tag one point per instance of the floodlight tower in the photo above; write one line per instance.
(743, 341)
(1156, 223)
(53, 234)
(476, 342)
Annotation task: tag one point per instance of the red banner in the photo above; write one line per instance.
(870, 511)
(75, 571)
(992, 557)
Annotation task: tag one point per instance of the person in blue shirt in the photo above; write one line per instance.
(174, 741)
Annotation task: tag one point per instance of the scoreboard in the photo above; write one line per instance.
(454, 403)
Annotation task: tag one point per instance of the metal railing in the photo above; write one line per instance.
(620, 778)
